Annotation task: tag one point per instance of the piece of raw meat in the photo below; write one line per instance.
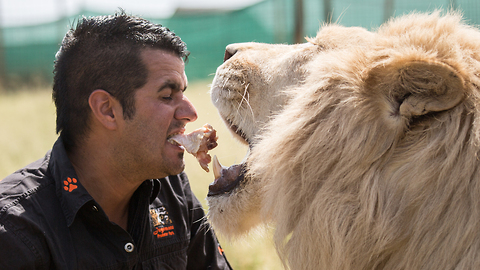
(198, 142)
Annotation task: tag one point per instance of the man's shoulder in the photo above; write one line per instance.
(24, 184)
(22, 201)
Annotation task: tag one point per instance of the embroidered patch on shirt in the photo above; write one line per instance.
(162, 222)
(69, 184)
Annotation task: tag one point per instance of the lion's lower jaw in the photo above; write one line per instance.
(235, 214)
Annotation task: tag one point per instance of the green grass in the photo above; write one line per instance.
(27, 132)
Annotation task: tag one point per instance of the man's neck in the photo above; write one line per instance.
(111, 190)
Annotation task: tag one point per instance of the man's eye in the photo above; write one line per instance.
(167, 98)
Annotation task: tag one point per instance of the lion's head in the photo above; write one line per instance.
(363, 145)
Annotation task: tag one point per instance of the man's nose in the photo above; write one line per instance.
(186, 111)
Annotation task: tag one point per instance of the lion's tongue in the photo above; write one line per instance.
(226, 178)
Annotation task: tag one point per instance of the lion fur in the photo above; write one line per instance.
(373, 161)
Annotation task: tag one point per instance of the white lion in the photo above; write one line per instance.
(364, 145)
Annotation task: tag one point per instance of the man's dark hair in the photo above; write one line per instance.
(104, 53)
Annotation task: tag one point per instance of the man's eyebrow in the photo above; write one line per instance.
(172, 85)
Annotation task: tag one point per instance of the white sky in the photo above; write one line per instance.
(28, 12)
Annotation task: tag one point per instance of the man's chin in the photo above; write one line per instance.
(175, 167)
(179, 170)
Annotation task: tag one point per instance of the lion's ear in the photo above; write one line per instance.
(429, 88)
(421, 87)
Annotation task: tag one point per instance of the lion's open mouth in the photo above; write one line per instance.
(235, 129)
(227, 178)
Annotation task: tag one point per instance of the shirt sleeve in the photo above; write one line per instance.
(204, 251)
(16, 251)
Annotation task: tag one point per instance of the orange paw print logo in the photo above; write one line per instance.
(69, 184)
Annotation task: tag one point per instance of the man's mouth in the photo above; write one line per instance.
(173, 142)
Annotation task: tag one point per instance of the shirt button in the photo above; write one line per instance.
(129, 247)
(94, 208)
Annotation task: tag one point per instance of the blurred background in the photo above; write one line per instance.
(31, 31)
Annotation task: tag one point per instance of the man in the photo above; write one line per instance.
(118, 89)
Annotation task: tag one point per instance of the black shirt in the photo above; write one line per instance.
(49, 221)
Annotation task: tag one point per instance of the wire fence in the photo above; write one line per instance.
(27, 53)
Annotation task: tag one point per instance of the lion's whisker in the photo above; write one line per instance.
(246, 98)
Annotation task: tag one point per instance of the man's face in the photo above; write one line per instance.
(161, 110)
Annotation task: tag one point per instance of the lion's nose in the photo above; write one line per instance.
(229, 52)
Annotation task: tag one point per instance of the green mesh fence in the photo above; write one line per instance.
(29, 51)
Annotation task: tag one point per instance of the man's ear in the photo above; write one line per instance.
(105, 108)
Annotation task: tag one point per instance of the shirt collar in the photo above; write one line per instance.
(71, 193)
(155, 190)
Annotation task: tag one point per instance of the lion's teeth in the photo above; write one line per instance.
(217, 167)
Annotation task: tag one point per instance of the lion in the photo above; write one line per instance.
(363, 145)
